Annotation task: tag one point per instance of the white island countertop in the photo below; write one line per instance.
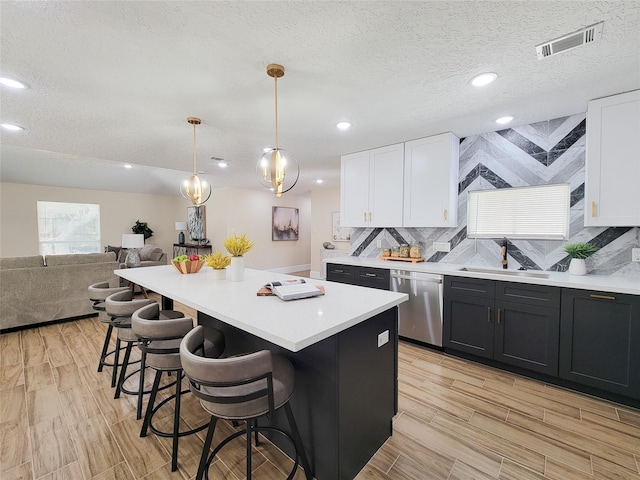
(603, 283)
(293, 325)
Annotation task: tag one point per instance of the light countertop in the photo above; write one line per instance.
(293, 325)
(603, 283)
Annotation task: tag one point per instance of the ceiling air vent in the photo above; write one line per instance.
(581, 37)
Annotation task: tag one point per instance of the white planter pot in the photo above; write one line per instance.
(577, 266)
(236, 269)
(218, 274)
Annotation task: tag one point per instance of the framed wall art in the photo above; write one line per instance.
(196, 223)
(338, 233)
(285, 223)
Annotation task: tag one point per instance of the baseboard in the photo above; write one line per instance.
(317, 275)
(290, 269)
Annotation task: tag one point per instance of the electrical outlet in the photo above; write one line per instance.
(635, 254)
(379, 243)
(383, 338)
(442, 246)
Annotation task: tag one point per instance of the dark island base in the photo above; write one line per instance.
(346, 392)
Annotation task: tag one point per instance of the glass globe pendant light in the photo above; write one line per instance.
(276, 169)
(193, 188)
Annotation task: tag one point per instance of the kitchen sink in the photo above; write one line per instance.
(509, 273)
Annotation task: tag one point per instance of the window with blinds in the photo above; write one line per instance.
(537, 212)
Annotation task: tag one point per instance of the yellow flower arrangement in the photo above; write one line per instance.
(217, 260)
(237, 245)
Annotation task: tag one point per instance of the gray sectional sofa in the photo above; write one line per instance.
(40, 289)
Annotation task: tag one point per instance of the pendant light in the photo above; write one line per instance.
(276, 169)
(193, 188)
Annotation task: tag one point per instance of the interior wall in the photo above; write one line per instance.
(235, 210)
(118, 213)
(324, 202)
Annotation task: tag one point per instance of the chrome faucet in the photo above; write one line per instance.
(504, 253)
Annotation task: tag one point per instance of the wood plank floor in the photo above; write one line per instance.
(457, 420)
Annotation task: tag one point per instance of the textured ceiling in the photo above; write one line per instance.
(113, 82)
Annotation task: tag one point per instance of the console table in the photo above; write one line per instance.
(190, 249)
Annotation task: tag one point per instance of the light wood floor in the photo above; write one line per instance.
(457, 420)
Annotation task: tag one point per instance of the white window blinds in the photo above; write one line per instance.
(537, 212)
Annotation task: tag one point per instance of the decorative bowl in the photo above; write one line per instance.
(190, 266)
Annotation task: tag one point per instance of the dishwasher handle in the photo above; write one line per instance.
(420, 279)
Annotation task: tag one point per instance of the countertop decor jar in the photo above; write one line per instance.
(395, 252)
(386, 252)
(415, 250)
(404, 250)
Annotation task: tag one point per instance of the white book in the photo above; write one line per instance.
(294, 289)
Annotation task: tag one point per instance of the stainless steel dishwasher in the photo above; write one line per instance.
(420, 318)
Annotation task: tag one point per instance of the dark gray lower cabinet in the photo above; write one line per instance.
(513, 323)
(600, 340)
(361, 276)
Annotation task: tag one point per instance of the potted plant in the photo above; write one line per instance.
(237, 246)
(141, 228)
(218, 262)
(578, 252)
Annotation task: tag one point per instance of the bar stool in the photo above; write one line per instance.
(98, 293)
(120, 307)
(159, 333)
(243, 387)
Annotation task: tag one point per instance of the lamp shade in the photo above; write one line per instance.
(181, 226)
(132, 240)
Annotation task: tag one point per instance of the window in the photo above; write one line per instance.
(538, 212)
(68, 228)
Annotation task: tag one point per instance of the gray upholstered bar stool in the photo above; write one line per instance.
(159, 334)
(120, 307)
(243, 387)
(98, 293)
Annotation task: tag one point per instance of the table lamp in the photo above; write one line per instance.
(180, 227)
(132, 242)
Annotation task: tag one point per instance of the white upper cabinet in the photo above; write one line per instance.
(371, 188)
(431, 181)
(612, 170)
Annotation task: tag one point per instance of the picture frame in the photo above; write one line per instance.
(196, 223)
(338, 233)
(285, 224)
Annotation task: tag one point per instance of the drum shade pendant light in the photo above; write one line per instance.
(193, 188)
(276, 169)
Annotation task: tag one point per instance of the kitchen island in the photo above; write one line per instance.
(343, 346)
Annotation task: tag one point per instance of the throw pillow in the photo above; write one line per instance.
(111, 248)
(122, 255)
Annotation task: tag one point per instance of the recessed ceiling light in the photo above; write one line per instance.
(222, 164)
(319, 181)
(343, 125)
(11, 127)
(128, 165)
(10, 82)
(503, 120)
(483, 79)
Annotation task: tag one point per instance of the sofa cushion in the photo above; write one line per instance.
(21, 262)
(79, 258)
(150, 252)
(111, 248)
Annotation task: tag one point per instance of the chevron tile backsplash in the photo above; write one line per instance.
(537, 154)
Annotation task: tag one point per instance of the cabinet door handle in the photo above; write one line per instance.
(364, 216)
(338, 271)
(602, 297)
(498, 316)
(369, 217)
(488, 314)
(444, 214)
(593, 209)
(370, 275)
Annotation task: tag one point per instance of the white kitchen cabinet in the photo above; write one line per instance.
(431, 181)
(371, 188)
(612, 169)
